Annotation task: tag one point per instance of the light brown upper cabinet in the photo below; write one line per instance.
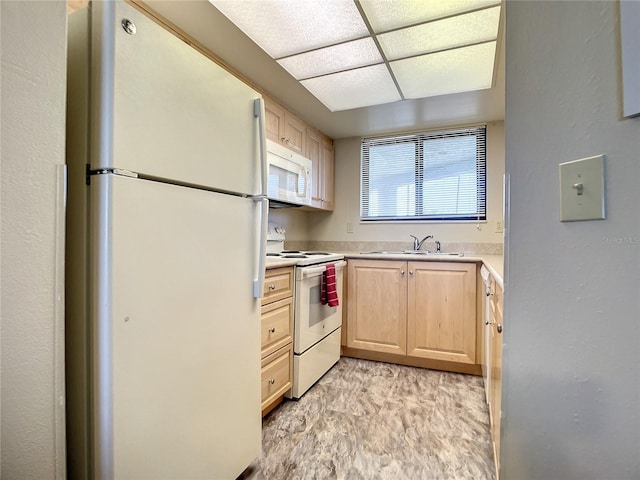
(284, 127)
(320, 152)
(326, 173)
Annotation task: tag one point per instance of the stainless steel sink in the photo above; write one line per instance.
(426, 252)
(413, 252)
(383, 252)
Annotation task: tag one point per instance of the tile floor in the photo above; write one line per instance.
(373, 420)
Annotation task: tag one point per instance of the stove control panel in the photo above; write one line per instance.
(276, 232)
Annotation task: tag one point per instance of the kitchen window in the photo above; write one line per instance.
(425, 176)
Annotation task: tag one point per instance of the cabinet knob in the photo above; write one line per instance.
(272, 381)
(272, 287)
(272, 330)
(402, 272)
(499, 328)
(410, 272)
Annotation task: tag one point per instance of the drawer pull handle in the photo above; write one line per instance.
(272, 287)
(272, 330)
(272, 381)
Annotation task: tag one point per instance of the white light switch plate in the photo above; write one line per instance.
(582, 189)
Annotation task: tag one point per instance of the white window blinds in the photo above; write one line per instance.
(424, 176)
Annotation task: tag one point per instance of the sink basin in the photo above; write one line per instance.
(414, 252)
(383, 252)
(426, 252)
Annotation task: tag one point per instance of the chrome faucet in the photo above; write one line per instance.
(418, 243)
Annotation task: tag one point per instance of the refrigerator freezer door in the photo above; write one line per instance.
(173, 112)
(180, 346)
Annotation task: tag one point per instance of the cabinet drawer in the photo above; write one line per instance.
(277, 325)
(278, 284)
(276, 374)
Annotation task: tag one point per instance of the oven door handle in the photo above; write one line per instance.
(315, 271)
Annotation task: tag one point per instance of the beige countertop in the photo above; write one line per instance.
(494, 263)
(276, 262)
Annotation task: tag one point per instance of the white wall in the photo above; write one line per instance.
(347, 203)
(571, 392)
(293, 220)
(33, 133)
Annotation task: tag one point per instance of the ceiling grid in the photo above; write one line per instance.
(352, 54)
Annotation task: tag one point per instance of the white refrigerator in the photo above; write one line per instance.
(166, 229)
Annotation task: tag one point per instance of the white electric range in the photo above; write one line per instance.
(317, 328)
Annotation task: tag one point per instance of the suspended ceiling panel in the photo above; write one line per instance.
(205, 24)
(382, 46)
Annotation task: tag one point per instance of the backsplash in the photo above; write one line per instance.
(329, 246)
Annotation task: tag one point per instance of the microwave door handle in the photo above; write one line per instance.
(302, 174)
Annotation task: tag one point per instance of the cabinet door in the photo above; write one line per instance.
(327, 156)
(295, 133)
(496, 371)
(314, 148)
(377, 306)
(441, 318)
(274, 120)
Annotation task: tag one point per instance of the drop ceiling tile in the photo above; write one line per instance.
(362, 87)
(344, 56)
(476, 27)
(385, 15)
(286, 28)
(452, 71)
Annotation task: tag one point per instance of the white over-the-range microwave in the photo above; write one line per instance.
(289, 176)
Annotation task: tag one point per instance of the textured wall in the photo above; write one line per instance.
(33, 116)
(572, 318)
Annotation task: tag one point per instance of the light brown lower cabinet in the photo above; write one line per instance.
(377, 306)
(276, 336)
(276, 377)
(495, 389)
(420, 310)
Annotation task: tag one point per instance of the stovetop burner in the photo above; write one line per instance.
(306, 258)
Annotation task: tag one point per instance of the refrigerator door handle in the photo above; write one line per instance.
(262, 246)
(258, 112)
